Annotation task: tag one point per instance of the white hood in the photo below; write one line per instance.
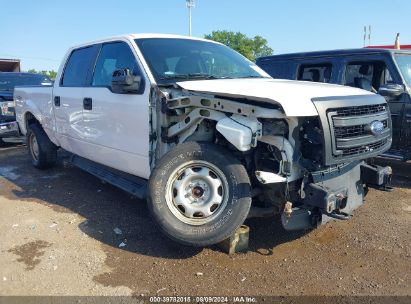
(293, 96)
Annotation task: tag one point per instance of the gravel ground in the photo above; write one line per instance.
(64, 232)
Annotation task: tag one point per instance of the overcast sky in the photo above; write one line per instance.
(39, 32)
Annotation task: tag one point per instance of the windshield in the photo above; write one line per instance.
(174, 59)
(404, 62)
(9, 80)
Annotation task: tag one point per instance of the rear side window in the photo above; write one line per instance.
(113, 56)
(278, 70)
(315, 72)
(78, 67)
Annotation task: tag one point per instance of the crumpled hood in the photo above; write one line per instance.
(293, 96)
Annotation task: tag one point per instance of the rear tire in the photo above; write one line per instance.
(42, 151)
(199, 194)
(2, 142)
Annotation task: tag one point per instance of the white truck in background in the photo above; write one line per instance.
(206, 136)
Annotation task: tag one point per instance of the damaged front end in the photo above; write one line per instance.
(333, 149)
(309, 169)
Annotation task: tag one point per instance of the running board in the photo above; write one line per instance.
(127, 182)
(392, 156)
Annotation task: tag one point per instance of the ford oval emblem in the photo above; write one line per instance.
(376, 128)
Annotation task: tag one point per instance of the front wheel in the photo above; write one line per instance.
(199, 194)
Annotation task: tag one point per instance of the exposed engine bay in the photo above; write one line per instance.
(284, 156)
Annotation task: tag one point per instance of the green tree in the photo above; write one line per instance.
(252, 48)
(50, 74)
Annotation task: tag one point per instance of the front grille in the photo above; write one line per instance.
(360, 110)
(349, 131)
(352, 131)
(364, 148)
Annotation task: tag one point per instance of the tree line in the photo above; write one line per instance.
(50, 74)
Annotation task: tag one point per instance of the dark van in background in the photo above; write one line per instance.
(383, 71)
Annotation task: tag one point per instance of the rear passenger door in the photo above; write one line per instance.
(68, 98)
(116, 126)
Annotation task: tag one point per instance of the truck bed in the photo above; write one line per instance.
(37, 99)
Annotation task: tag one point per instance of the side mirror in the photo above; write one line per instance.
(391, 90)
(124, 82)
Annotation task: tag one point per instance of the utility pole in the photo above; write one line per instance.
(369, 35)
(190, 5)
(365, 35)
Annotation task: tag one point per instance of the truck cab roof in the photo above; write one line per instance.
(331, 53)
(133, 36)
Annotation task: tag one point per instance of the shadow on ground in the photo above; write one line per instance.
(68, 189)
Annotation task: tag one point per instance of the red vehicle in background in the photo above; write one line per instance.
(403, 47)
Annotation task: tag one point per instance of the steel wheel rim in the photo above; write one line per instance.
(197, 192)
(34, 147)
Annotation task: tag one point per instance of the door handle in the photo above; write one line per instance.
(87, 103)
(57, 101)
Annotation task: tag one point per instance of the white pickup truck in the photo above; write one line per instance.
(206, 136)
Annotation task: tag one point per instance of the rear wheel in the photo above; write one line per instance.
(199, 194)
(2, 143)
(42, 151)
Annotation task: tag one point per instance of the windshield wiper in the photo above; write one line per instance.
(252, 76)
(193, 76)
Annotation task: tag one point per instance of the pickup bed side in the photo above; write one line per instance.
(35, 104)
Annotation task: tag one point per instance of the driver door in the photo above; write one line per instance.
(116, 126)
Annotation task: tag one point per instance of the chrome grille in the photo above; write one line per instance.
(364, 148)
(348, 127)
(349, 132)
(360, 110)
(352, 131)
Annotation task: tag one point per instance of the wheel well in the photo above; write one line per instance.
(30, 119)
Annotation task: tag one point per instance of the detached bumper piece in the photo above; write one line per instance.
(9, 129)
(376, 177)
(328, 201)
(319, 200)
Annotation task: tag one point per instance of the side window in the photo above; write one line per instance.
(367, 75)
(78, 67)
(278, 70)
(315, 72)
(113, 56)
(386, 77)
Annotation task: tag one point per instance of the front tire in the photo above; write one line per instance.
(199, 194)
(42, 151)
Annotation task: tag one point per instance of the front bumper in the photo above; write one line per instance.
(336, 194)
(9, 129)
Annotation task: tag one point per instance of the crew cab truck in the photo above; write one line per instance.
(383, 71)
(204, 134)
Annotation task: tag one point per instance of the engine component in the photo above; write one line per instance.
(312, 149)
(242, 132)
